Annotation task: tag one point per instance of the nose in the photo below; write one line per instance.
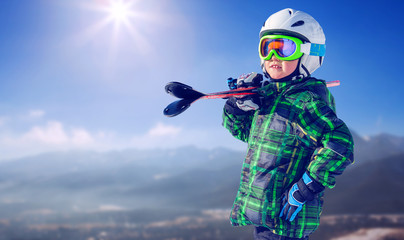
(274, 58)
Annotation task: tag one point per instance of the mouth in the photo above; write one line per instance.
(275, 66)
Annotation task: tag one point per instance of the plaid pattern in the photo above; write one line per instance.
(296, 130)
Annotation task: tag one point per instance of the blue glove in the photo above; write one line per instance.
(304, 190)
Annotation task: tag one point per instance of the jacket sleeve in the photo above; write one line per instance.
(334, 143)
(237, 121)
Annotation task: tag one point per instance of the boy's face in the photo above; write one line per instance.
(278, 69)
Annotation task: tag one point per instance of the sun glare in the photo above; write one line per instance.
(121, 22)
(119, 11)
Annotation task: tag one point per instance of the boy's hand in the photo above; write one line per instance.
(304, 190)
(245, 80)
(253, 79)
(292, 203)
(249, 80)
(248, 103)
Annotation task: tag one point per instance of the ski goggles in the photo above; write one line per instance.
(287, 48)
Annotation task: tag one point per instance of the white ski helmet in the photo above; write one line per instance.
(298, 24)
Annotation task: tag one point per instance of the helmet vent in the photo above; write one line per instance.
(298, 23)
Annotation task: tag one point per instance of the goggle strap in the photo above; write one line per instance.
(313, 49)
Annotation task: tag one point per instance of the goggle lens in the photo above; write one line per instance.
(283, 47)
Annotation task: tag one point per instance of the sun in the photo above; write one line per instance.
(123, 24)
(119, 11)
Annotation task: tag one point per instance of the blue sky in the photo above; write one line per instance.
(73, 78)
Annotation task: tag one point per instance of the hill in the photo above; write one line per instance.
(188, 177)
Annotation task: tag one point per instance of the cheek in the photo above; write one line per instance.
(290, 66)
(266, 65)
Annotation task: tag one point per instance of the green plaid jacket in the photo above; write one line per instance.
(296, 130)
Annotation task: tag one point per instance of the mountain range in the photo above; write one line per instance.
(187, 177)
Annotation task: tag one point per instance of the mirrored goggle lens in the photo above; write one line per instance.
(284, 47)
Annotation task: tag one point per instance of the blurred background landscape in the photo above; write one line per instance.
(183, 193)
(86, 153)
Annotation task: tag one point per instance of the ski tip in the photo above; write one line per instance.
(171, 85)
(333, 83)
(181, 90)
(177, 107)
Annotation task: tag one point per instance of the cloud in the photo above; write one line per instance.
(162, 129)
(80, 136)
(158, 136)
(162, 135)
(50, 136)
(36, 113)
(54, 135)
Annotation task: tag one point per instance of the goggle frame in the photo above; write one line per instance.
(312, 49)
(295, 55)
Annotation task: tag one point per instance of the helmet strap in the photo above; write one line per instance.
(305, 69)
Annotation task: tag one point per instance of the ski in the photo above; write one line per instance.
(181, 90)
(333, 83)
(177, 107)
(188, 95)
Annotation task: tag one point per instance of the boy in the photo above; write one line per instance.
(296, 143)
